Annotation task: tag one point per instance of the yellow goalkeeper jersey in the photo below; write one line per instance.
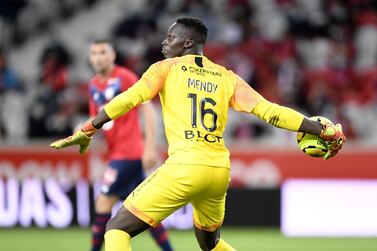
(195, 94)
(195, 101)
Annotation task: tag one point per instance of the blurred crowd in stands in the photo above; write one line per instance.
(317, 56)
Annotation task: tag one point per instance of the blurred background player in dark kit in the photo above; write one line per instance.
(128, 154)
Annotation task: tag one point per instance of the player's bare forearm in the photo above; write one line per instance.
(310, 126)
(150, 155)
(100, 119)
(149, 116)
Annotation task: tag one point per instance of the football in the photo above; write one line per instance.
(310, 144)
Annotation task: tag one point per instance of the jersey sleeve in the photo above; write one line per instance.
(144, 89)
(246, 99)
(279, 116)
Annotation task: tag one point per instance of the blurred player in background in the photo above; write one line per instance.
(195, 95)
(127, 153)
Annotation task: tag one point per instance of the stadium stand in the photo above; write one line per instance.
(316, 56)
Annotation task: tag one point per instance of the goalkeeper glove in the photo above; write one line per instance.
(334, 137)
(82, 138)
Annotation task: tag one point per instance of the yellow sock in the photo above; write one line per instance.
(117, 240)
(223, 246)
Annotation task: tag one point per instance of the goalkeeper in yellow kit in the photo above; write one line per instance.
(195, 95)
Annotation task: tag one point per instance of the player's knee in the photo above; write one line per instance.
(111, 224)
(119, 221)
(126, 221)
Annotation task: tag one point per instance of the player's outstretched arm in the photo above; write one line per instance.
(287, 118)
(246, 99)
(141, 91)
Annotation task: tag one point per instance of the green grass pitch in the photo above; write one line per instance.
(243, 239)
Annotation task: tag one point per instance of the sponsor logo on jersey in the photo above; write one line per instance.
(202, 136)
(201, 71)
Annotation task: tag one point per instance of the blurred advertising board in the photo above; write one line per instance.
(43, 187)
(329, 207)
(265, 169)
(50, 188)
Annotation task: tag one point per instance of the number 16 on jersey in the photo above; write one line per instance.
(203, 111)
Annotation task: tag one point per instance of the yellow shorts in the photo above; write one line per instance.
(172, 186)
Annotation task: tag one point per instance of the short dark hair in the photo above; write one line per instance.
(102, 41)
(197, 26)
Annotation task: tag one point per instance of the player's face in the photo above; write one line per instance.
(101, 57)
(175, 42)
